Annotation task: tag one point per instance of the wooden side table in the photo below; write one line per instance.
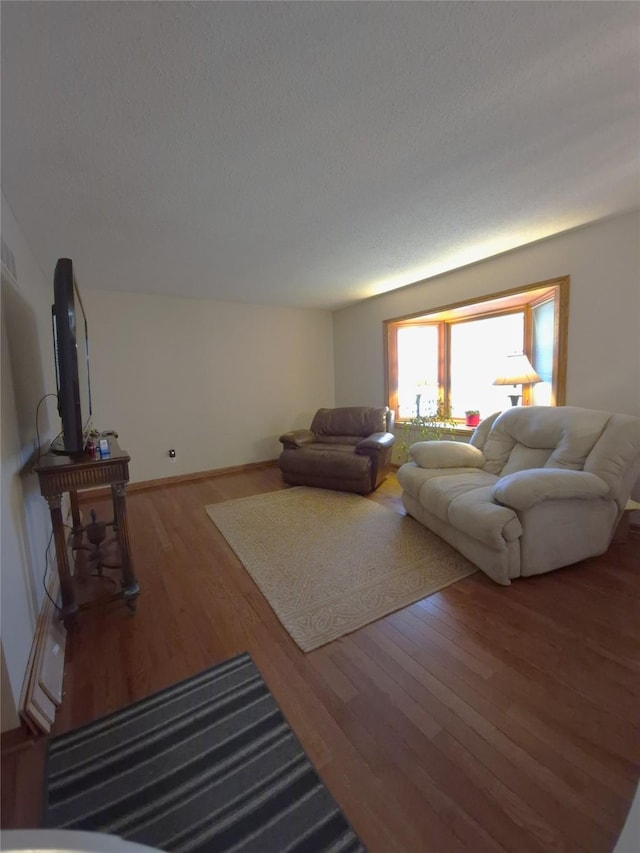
(61, 474)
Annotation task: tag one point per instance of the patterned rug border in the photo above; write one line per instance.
(298, 624)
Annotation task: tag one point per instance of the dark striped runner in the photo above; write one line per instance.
(209, 764)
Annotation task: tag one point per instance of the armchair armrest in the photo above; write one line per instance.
(375, 443)
(524, 489)
(297, 438)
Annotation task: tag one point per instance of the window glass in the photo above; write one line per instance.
(478, 347)
(451, 355)
(542, 340)
(417, 369)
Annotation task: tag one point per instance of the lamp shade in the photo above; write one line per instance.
(517, 370)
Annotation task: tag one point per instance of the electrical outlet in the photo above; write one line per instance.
(172, 455)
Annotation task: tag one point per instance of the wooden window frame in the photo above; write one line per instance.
(504, 302)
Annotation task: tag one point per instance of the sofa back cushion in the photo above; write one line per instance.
(616, 456)
(351, 420)
(542, 437)
(479, 436)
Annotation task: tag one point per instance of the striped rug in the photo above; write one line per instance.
(209, 764)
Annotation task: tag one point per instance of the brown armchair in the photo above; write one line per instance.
(348, 449)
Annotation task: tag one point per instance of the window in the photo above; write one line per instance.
(542, 337)
(477, 348)
(450, 356)
(418, 355)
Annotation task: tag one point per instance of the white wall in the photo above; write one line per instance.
(27, 374)
(220, 381)
(8, 708)
(604, 314)
(217, 381)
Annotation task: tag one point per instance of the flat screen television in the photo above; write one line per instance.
(71, 349)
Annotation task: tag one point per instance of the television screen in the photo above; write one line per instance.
(71, 347)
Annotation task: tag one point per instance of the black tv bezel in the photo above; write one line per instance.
(66, 312)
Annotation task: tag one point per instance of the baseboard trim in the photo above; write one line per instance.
(143, 485)
(37, 706)
(15, 740)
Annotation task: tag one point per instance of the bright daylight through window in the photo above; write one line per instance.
(447, 360)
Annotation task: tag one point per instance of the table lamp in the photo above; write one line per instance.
(517, 370)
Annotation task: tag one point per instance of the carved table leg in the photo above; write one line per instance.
(75, 517)
(130, 588)
(67, 591)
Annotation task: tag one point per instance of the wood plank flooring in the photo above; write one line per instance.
(481, 718)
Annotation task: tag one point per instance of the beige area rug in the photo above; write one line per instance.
(330, 562)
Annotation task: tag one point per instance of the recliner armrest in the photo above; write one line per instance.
(375, 442)
(297, 438)
(446, 454)
(524, 489)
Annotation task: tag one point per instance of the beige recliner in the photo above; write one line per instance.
(536, 488)
(347, 449)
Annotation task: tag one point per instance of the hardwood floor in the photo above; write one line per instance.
(481, 718)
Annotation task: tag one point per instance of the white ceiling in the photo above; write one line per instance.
(311, 153)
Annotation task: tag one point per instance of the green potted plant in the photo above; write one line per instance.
(435, 425)
(473, 417)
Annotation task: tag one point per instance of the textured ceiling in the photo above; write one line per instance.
(315, 153)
